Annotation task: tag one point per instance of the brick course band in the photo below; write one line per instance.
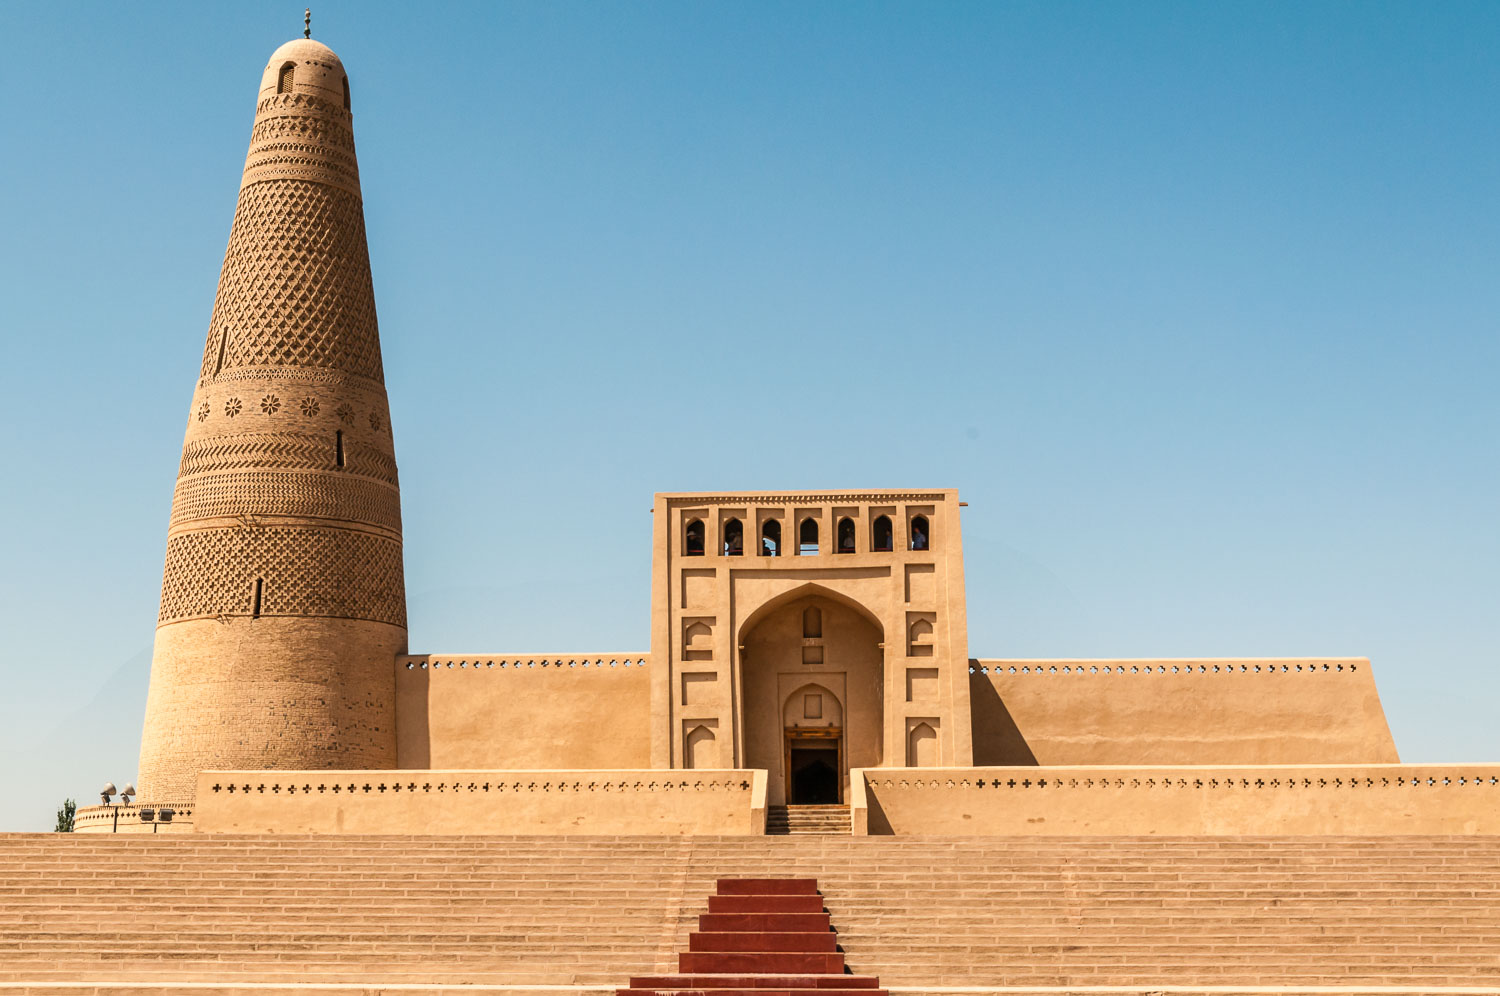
(283, 450)
(258, 492)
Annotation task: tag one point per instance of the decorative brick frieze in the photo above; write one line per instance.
(289, 570)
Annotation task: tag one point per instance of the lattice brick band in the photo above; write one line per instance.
(295, 289)
(304, 571)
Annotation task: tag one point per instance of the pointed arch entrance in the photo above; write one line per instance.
(812, 673)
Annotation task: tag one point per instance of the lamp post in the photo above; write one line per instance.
(107, 792)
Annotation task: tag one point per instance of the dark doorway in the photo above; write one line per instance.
(814, 776)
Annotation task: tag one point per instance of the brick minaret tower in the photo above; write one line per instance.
(283, 605)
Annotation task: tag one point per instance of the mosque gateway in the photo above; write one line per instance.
(808, 669)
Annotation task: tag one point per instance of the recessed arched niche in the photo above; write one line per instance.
(922, 745)
(700, 748)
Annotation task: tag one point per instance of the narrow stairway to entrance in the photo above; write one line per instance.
(761, 937)
(831, 820)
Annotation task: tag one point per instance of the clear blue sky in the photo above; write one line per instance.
(1195, 303)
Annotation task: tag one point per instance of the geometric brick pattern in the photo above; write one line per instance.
(295, 289)
(283, 451)
(263, 492)
(302, 570)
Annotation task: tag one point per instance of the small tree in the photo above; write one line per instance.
(65, 816)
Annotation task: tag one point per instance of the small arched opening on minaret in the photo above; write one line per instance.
(287, 77)
(346, 93)
(338, 446)
(255, 599)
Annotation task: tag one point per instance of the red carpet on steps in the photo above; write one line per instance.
(761, 936)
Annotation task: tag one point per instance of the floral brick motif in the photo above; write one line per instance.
(233, 407)
(309, 407)
(270, 404)
(203, 411)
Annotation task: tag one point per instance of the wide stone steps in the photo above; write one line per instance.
(596, 912)
(784, 820)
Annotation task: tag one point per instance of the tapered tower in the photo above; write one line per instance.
(283, 605)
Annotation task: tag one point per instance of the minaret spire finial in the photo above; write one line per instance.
(307, 23)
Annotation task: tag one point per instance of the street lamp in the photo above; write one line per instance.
(107, 792)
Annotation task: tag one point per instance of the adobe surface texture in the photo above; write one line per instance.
(922, 914)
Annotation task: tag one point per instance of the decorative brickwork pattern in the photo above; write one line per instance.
(304, 571)
(283, 451)
(259, 492)
(299, 136)
(424, 662)
(295, 288)
(1122, 668)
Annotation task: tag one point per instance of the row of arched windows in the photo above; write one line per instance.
(732, 542)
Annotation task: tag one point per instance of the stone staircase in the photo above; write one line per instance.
(246, 913)
(782, 820)
(761, 937)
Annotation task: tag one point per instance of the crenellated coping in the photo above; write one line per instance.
(517, 662)
(468, 783)
(1184, 666)
(475, 800)
(1272, 777)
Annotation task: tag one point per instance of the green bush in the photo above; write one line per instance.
(65, 816)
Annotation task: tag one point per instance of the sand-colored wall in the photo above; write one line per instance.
(1189, 711)
(1228, 800)
(482, 802)
(123, 818)
(509, 711)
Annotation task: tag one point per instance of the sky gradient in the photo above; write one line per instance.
(1195, 304)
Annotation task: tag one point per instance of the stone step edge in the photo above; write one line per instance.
(101, 987)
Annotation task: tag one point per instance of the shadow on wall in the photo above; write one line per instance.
(413, 727)
(997, 739)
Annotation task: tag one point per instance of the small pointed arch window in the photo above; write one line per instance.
(286, 78)
(770, 538)
(846, 535)
(692, 539)
(807, 538)
(346, 93)
(880, 535)
(920, 536)
(734, 538)
(812, 623)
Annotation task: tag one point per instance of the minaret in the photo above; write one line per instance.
(283, 605)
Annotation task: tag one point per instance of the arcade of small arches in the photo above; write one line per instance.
(732, 537)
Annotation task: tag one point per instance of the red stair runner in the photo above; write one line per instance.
(760, 936)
